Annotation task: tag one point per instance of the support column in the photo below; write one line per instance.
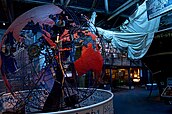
(129, 79)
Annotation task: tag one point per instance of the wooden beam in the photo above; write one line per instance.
(62, 2)
(123, 15)
(10, 10)
(3, 5)
(93, 4)
(106, 6)
(7, 10)
(53, 1)
(86, 9)
(122, 8)
(67, 2)
(33, 1)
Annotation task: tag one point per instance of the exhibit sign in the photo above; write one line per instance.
(158, 7)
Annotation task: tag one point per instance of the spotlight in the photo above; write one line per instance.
(3, 24)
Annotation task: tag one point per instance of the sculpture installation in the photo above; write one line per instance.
(43, 53)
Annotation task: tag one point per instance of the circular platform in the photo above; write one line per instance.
(100, 102)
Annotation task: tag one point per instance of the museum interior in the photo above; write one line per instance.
(86, 56)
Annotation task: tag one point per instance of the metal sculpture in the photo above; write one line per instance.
(43, 53)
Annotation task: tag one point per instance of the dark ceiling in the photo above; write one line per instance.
(111, 13)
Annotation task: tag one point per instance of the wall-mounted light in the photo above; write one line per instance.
(136, 80)
(135, 76)
(3, 24)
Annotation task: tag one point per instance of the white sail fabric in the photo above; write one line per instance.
(136, 34)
